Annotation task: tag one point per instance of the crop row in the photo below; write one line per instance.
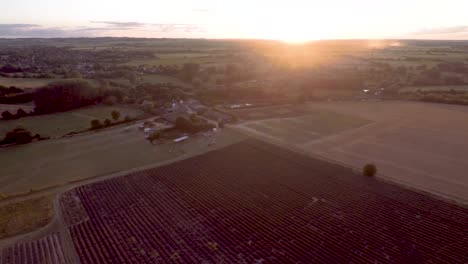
(252, 203)
(47, 250)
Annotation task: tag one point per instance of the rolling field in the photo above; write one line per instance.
(256, 203)
(156, 78)
(420, 145)
(175, 59)
(297, 130)
(59, 161)
(25, 82)
(269, 112)
(445, 88)
(60, 124)
(37, 82)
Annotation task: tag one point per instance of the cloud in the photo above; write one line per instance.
(17, 26)
(443, 30)
(110, 28)
(117, 24)
(174, 27)
(30, 30)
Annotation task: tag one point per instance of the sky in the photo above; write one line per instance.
(291, 20)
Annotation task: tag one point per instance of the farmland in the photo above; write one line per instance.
(62, 123)
(59, 161)
(421, 145)
(45, 250)
(279, 207)
(25, 216)
(269, 112)
(25, 82)
(444, 88)
(155, 78)
(221, 196)
(311, 125)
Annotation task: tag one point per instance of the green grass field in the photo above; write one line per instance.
(58, 161)
(156, 78)
(313, 125)
(25, 82)
(179, 60)
(59, 124)
(35, 83)
(462, 88)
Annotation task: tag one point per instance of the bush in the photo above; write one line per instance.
(95, 124)
(115, 115)
(369, 170)
(107, 122)
(154, 136)
(110, 100)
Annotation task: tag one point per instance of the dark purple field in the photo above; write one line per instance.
(256, 203)
(47, 250)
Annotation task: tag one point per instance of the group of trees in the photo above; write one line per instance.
(97, 124)
(6, 115)
(10, 69)
(19, 136)
(64, 95)
(13, 95)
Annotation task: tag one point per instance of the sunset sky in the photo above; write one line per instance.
(291, 20)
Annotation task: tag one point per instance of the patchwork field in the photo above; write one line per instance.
(269, 112)
(156, 78)
(421, 145)
(52, 162)
(310, 125)
(175, 59)
(35, 82)
(445, 88)
(60, 124)
(256, 203)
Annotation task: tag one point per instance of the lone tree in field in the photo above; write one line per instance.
(115, 115)
(95, 124)
(107, 122)
(154, 136)
(369, 170)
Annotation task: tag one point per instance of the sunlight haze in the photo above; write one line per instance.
(291, 21)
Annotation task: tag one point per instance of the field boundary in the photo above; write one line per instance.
(380, 176)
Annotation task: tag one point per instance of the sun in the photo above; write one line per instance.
(295, 41)
(295, 35)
